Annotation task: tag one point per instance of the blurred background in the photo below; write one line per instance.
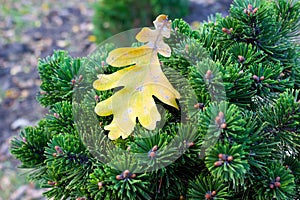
(32, 29)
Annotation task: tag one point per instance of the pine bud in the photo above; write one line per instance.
(207, 196)
(73, 81)
(208, 75)
(52, 183)
(221, 156)
(277, 178)
(102, 63)
(54, 154)
(24, 140)
(218, 163)
(221, 115)
(255, 10)
(56, 115)
(100, 185)
(223, 126)
(255, 77)
(287, 167)
(58, 150)
(229, 158)
(213, 193)
(133, 176)
(250, 7)
(119, 177)
(277, 184)
(241, 59)
(152, 154)
(199, 105)
(181, 197)
(224, 30)
(126, 173)
(79, 78)
(262, 78)
(271, 186)
(218, 120)
(97, 98)
(155, 148)
(186, 48)
(190, 144)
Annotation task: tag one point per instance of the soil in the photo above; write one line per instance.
(46, 27)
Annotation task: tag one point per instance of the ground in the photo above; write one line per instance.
(31, 30)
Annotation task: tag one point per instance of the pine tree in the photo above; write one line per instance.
(240, 139)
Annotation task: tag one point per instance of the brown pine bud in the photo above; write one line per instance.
(54, 154)
(133, 176)
(207, 196)
(213, 193)
(255, 10)
(97, 98)
(56, 115)
(255, 77)
(221, 115)
(229, 158)
(152, 154)
(80, 78)
(119, 177)
(218, 120)
(250, 7)
(199, 105)
(218, 163)
(126, 173)
(224, 30)
(261, 78)
(271, 186)
(58, 150)
(287, 167)
(73, 81)
(223, 126)
(100, 185)
(277, 178)
(241, 59)
(190, 144)
(208, 75)
(52, 183)
(221, 156)
(277, 184)
(230, 30)
(246, 11)
(155, 148)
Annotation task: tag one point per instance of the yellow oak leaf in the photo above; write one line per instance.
(139, 82)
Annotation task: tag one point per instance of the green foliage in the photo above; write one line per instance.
(207, 186)
(236, 137)
(59, 75)
(112, 17)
